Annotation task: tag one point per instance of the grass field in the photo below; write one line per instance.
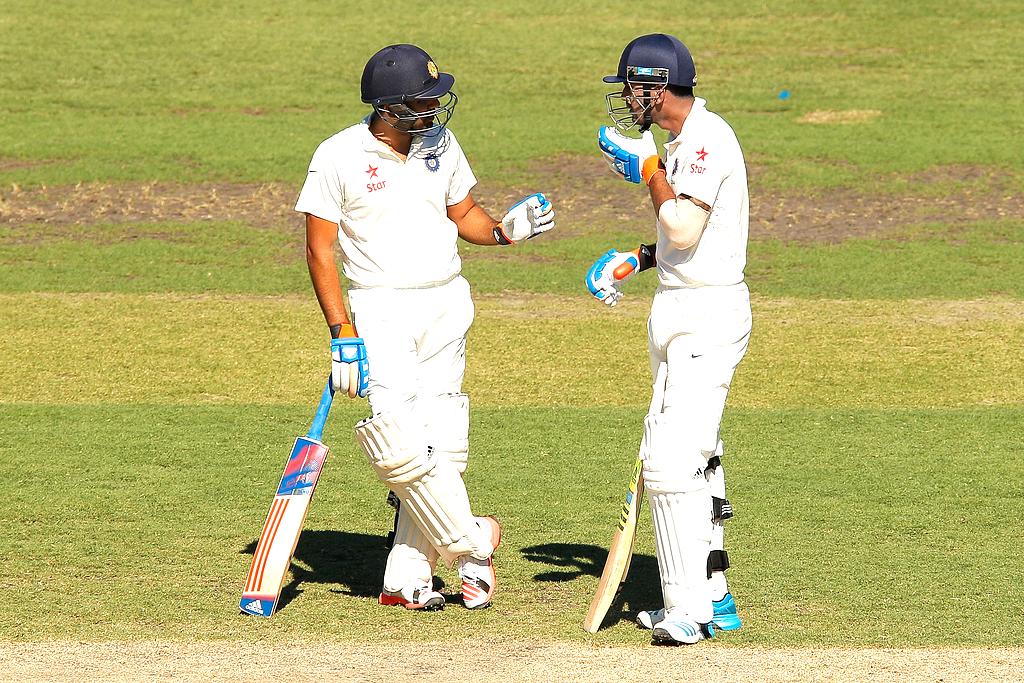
(161, 346)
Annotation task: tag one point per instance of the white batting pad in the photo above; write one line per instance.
(412, 557)
(682, 535)
(447, 426)
(680, 500)
(429, 486)
(672, 461)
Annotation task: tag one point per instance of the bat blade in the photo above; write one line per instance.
(282, 527)
(619, 554)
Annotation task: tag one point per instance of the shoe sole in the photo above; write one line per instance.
(660, 637)
(435, 604)
(727, 623)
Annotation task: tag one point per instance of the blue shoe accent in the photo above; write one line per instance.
(726, 618)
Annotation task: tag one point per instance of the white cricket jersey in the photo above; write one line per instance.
(393, 225)
(705, 161)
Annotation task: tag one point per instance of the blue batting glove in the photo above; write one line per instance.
(636, 160)
(350, 370)
(605, 277)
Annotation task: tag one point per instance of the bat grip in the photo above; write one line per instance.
(316, 430)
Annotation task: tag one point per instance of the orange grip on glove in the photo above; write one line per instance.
(650, 168)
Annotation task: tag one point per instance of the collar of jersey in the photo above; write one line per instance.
(698, 108)
(372, 144)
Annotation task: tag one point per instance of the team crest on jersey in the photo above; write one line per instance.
(432, 68)
(432, 162)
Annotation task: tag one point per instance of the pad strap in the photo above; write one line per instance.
(718, 561)
(721, 509)
(393, 501)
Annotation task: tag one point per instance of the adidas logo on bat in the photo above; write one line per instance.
(255, 607)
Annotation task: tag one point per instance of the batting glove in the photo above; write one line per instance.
(635, 160)
(604, 279)
(525, 220)
(350, 370)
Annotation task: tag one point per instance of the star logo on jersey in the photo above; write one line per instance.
(701, 154)
(372, 170)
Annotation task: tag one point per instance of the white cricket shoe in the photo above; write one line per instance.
(680, 631)
(648, 619)
(414, 596)
(478, 577)
(724, 619)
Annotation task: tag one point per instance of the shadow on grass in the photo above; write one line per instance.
(356, 561)
(570, 561)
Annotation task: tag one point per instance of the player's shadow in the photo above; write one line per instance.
(570, 561)
(356, 561)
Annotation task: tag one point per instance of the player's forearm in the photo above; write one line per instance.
(327, 285)
(661, 191)
(477, 227)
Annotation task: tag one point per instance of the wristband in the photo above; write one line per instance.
(650, 168)
(499, 236)
(343, 330)
(645, 254)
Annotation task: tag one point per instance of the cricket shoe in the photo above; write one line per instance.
(478, 578)
(414, 596)
(680, 631)
(724, 619)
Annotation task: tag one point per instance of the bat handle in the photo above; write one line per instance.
(316, 430)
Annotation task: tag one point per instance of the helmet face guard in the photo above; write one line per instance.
(631, 106)
(400, 116)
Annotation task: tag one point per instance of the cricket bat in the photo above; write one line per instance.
(287, 514)
(620, 555)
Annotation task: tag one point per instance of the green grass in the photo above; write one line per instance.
(977, 260)
(187, 91)
(849, 530)
(189, 350)
(153, 375)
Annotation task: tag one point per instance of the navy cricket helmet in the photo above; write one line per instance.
(657, 57)
(648, 65)
(403, 72)
(398, 74)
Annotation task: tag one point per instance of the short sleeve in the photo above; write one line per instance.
(462, 180)
(700, 169)
(322, 193)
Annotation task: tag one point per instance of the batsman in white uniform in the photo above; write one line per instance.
(394, 191)
(699, 323)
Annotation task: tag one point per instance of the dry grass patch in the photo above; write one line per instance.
(589, 200)
(248, 662)
(843, 116)
(523, 350)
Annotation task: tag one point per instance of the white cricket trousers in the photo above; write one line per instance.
(415, 341)
(702, 334)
